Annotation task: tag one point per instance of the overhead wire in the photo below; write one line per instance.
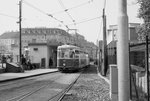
(50, 15)
(2, 14)
(32, 6)
(87, 20)
(63, 6)
(100, 29)
(67, 9)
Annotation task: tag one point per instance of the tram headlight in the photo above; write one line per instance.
(64, 64)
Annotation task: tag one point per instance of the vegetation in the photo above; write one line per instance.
(3, 48)
(144, 13)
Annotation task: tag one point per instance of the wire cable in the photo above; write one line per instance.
(77, 6)
(50, 15)
(85, 20)
(100, 29)
(63, 6)
(32, 6)
(2, 14)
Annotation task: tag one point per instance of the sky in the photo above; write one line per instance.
(83, 15)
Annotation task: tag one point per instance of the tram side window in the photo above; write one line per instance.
(72, 54)
(77, 54)
(62, 54)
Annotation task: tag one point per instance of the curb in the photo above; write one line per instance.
(17, 78)
(107, 80)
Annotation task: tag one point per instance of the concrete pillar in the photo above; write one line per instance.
(113, 82)
(123, 52)
(137, 78)
(145, 84)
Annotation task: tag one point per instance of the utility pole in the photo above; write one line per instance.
(147, 67)
(104, 62)
(20, 19)
(123, 52)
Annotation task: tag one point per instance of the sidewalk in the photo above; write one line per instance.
(29, 73)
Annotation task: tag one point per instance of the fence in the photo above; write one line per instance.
(138, 75)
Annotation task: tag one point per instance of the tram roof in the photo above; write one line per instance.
(68, 46)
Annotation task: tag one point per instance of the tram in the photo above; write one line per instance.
(70, 58)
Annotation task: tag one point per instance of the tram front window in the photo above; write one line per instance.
(64, 53)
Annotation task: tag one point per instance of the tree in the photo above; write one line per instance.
(144, 13)
(3, 48)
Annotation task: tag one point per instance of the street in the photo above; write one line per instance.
(39, 88)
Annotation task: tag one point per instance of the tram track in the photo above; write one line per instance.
(21, 97)
(24, 80)
(56, 97)
(67, 89)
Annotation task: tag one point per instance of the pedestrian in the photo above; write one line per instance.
(29, 65)
(23, 60)
(50, 62)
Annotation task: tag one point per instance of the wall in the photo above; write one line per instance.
(15, 51)
(133, 35)
(39, 54)
(112, 33)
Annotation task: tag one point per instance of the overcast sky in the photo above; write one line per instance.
(85, 13)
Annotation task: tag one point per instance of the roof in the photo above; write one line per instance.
(8, 35)
(44, 30)
(68, 46)
(33, 31)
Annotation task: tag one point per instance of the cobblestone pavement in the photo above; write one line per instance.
(89, 87)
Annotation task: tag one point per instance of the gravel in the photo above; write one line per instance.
(89, 87)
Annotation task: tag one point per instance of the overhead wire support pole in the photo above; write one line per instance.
(104, 65)
(123, 52)
(20, 19)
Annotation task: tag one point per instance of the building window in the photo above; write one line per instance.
(34, 40)
(35, 49)
(115, 35)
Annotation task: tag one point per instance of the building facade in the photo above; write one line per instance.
(112, 42)
(112, 33)
(6, 41)
(42, 35)
(43, 38)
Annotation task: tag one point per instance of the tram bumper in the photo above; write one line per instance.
(68, 68)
